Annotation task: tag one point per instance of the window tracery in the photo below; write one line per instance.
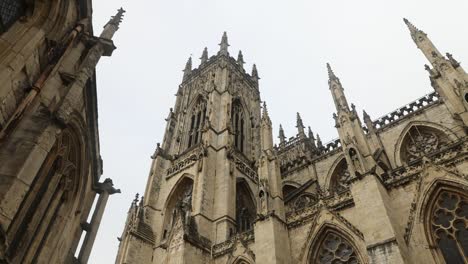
(197, 120)
(245, 208)
(421, 141)
(10, 11)
(304, 201)
(341, 177)
(238, 125)
(449, 226)
(335, 249)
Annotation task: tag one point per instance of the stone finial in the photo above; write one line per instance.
(240, 59)
(331, 74)
(319, 142)
(299, 124)
(368, 121)
(414, 31)
(265, 115)
(224, 45)
(137, 195)
(255, 72)
(281, 136)
(204, 57)
(117, 19)
(188, 68)
(311, 137)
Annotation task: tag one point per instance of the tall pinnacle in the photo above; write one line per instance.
(300, 125)
(240, 59)
(331, 74)
(265, 116)
(255, 72)
(412, 28)
(204, 56)
(281, 136)
(337, 90)
(224, 45)
(424, 43)
(113, 25)
(188, 68)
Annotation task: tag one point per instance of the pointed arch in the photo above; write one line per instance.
(445, 217)
(181, 190)
(420, 138)
(52, 201)
(240, 125)
(245, 206)
(241, 260)
(339, 176)
(332, 244)
(195, 120)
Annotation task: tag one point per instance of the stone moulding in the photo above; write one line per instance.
(241, 164)
(186, 161)
(227, 246)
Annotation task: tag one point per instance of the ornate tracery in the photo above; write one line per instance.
(421, 141)
(245, 208)
(334, 248)
(340, 177)
(448, 222)
(10, 11)
(197, 119)
(50, 201)
(238, 125)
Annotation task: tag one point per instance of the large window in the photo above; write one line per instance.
(238, 125)
(245, 208)
(449, 226)
(197, 119)
(10, 11)
(340, 177)
(421, 141)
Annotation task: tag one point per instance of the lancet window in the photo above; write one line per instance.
(10, 11)
(197, 119)
(49, 202)
(449, 226)
(179, 206)
(340, 177)
(245, 208)
(421, 141)
(334, 248)
(238, 125)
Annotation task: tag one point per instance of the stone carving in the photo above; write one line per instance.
(241, 163)
(263, 195)
(187, 160)
(303, 201)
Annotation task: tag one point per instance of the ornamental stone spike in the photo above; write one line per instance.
(204, 57)
(224, 45)
(188, 68)
(412, 28)
(113, 25)
(300, 125)
(255, 72)
(240, 59)
(319, 142)
(281, 136)
(331, 74)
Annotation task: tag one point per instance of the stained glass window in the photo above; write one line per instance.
(449, 224)
(10, 11)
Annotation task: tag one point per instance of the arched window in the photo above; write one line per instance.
(334, 248)
(50, 202)
(448, 222)
(287, 190)
(303, 201)
(238, 125)
(421, 141)
(197, 119)
(245, 208)
(10, 11)
(340, 177)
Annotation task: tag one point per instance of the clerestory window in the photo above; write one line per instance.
(10, 11)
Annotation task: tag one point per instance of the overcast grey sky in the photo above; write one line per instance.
(366, 42)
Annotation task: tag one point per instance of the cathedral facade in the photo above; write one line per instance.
(50, 166)
(389, 190)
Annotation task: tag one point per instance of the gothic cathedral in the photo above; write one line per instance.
(389, 190)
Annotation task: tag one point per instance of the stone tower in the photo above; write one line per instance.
(390, 190)
(214, 168)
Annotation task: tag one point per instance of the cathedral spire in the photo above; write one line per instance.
(281, 136)
(300, 125)
(224, 45)
(311, 137)
(240, 59)
(188, 68)
(204, 56)
(337, 91)
(423, 43)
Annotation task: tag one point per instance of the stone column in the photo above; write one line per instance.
(104, 189)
